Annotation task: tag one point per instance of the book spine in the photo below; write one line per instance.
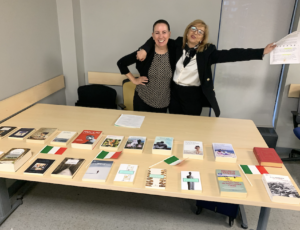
(267, 187)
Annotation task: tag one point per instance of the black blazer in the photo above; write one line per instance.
(207, 58)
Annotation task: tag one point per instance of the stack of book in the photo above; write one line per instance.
(163, 146)
(156, 178)
(193, 149)
(14, 159)
(267, 157)
(224, 152)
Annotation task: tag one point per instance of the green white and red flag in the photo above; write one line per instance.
(108, 155)
(53, 150)
(254, 169)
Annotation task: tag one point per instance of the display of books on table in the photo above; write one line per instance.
(39, 167)
(267, 157)
(224, 152)
(126, 173)
(130, 121)
(41, 135)
(68, 167)
(111, 143)
(134, 144)
(193, 150)
(156, 178)
(14, 159)
(5, 130)
(231, 183)
(190, 182)
(98, 171)
(162, 146)
(21, 134)
(63, 138)
(87, 139)
(280, 189)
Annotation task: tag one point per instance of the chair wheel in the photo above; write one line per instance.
(231, 221)
(244, 227)
(199, 210)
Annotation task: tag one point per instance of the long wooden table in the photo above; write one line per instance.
(242, 134)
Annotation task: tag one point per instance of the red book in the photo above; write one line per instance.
(88, 139)
(267, 157)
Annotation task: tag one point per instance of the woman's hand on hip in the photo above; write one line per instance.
(140, 81)
(269, 48)
(141, 55)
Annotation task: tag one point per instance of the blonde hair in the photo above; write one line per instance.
(204, 44)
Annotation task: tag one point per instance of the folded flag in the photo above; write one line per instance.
(254, 169)
(173, 160)
(53, 150)
(108, 155)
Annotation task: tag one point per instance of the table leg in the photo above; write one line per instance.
(263, 218)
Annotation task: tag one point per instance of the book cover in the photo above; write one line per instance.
(135, 143)
(126, 173)
(224, 152)
(68, 167)
(193, 149)
(87, 137)
(112, 142)
(4, 130)
(98, 171)
(156, 178)
(64, 136)
(267, 157)
(21, 133)
(39, 166)
(231, 183)
(42, 134)
(13, 155)
(190, 181)
(163, 143)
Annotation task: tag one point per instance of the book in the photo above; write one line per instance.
(162, 146)
(39, 167)
(63, 138)
(21, 134)
(130, 121)
(231, 183)
(224, 152)
(41, 135)
(98, 171)
(87, 139)
(14, 159)
(267, 157)
(193, 149)
(5, 130)
(53, 150)
(108, 155)
(280, 189)
(156, 178)
(111, 143)
(190, 181)
(68, 168)
(126, 173)
(135, 144)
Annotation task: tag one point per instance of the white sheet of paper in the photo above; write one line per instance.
(130, 121)
(72, 162)
(287, 50)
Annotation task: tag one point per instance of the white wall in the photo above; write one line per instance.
(29, 46)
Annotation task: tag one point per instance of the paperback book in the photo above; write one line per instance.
(224, 153)
(39, 167)
(267, 157)
(88, 139)
(162, 146)
(21, 134)
(280, 189)
(63, 138)
(111, 143)
(231, 183)
(68, 168)
(135, 144)
(98, 171)
(41, 135)
(4, 130)
(190, 181)
(193, 149)
(156, 178)
(14, 159)
(126, 173)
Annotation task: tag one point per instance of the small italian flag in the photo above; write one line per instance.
(173, 160)
(108, 155)
(254, 169)
(53, 150)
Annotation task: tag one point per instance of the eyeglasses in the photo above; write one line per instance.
(194, 29)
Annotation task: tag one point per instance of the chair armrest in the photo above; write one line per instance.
(122, 106)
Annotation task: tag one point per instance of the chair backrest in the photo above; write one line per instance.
(128, 93)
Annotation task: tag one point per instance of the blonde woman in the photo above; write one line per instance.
(192, 86)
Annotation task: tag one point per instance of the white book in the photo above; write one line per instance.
(193, 149)
(163, 146)
(98, 171)
(126, 173)
(156, 178)
(130, 121)
(111, 143)
(135, 144)
(190, 181)
(63, 138)
(280, 189)
(224, 152)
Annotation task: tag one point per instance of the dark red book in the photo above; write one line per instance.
(267, 157)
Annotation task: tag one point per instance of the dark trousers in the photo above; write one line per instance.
(186, 100)
(140, 105)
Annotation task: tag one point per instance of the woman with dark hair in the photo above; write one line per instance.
(152, 92)
(192, 85)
